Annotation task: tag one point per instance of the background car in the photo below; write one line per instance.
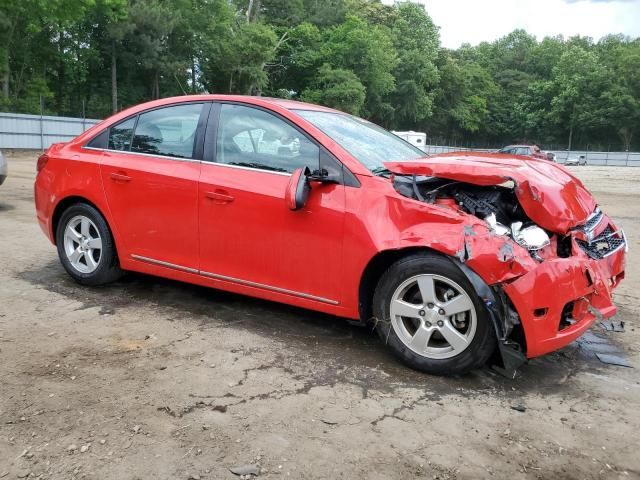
(3, 168)
(575, 161)
(527, 150)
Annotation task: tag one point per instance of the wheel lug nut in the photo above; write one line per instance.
(428, 324)
(440, 323)
(422, 313)
(441, 312)
(430, 305)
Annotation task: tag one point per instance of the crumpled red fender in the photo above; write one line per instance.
(551, 197)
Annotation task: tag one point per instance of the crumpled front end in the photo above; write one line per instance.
(557, 300)
(535, 236)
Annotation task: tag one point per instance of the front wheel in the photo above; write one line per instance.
(86, 247)
(429, 315)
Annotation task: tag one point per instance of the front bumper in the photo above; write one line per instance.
(557, 301)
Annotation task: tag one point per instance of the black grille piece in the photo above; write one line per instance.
(605, 244)
(593, 221)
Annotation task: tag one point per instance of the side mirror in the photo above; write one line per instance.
(298, 189)
(323, 176)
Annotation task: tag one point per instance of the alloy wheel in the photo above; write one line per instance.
(433, 316)
(82, 244)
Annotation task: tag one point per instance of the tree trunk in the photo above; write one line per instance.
(249, 8)
(193, 74)
(626, 134)
(155, 90)
(5, 76)
(61, 76)
(114, 78)
(571, 123)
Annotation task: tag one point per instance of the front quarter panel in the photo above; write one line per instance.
(379, 219)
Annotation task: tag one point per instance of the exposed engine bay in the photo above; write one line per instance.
(497, 205)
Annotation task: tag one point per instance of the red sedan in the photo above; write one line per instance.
(449, 257)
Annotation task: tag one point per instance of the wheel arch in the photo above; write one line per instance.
(510, 354)
(371, 274)
(67, 202)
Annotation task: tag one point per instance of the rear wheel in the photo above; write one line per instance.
(85, 246)
(430, 316)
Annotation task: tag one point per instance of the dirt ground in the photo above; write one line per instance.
(150, 378)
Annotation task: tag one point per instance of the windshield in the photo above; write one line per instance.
(370, 144)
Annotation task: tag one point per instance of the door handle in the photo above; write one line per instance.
(120, 177)
(220, 196)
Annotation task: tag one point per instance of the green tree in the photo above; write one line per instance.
(416, 40)
(235, 62)
(368, 51)
(461, 99)
(336, 88)
(578, 83)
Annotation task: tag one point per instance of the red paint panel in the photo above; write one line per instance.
(258, 238)
(154, 200)
(577, 279)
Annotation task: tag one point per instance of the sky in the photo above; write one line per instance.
(474, 21)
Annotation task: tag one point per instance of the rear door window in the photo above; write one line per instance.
(168, 131)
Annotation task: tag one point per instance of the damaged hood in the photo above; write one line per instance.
(550, 196)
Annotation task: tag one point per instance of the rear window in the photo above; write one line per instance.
(120, 135)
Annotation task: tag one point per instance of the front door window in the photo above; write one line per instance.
(250, 137)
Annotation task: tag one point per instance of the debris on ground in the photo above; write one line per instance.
(243, 470)
(519, 407)
(613, 325)
(612, 359)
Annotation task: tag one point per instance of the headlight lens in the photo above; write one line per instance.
(496, 226)
(531, 238)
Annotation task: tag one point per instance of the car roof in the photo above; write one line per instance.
(293, 104)
(252, 99)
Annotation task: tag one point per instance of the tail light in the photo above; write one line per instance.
(42, 161)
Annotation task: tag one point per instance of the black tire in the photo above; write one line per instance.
(108, 269)
(481, 346)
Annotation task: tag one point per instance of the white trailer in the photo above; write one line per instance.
(417, 139)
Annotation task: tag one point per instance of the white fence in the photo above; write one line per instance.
(39, 132)
(631, 159)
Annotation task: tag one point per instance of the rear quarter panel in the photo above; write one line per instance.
(70, 172)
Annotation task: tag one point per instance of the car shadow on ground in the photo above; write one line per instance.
(324, 338)
(5, 207)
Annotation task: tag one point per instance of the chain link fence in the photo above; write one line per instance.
(613, 155)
